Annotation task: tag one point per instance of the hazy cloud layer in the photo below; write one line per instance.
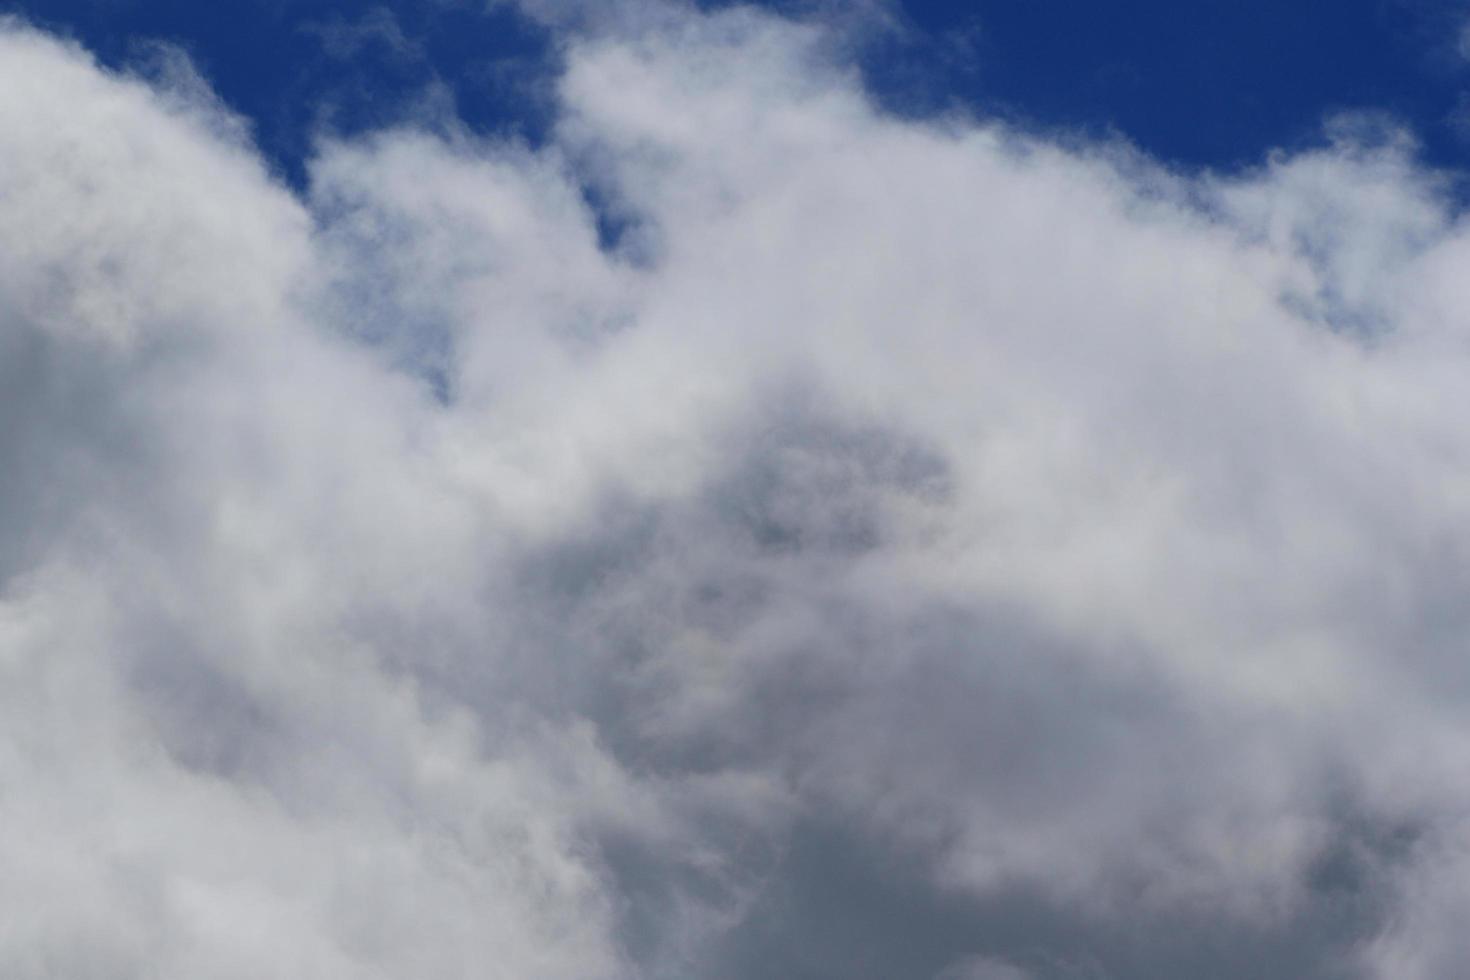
(861, 548)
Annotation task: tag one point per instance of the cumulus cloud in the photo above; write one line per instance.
(907, 549)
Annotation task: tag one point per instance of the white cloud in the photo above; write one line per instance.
(396, 583)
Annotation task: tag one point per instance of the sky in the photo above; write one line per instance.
(1209, 84)
(641, 490)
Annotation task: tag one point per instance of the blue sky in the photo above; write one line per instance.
(1212, 83)
(1216, 83)
(297, 67)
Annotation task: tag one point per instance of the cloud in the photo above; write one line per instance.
(910, 549)
(982, 969)
(377, 29)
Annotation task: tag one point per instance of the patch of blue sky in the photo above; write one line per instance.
(297, 69)
(1211, 84)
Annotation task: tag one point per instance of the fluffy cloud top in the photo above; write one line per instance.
(912, 549)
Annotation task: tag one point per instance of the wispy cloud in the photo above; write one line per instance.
(377, 30)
